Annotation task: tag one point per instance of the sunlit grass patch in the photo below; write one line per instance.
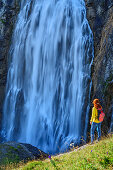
(97, 156)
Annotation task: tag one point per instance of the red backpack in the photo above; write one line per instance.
(101, 116)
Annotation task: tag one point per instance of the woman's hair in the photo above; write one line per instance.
(97, 104)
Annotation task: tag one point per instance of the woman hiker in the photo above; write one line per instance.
(96, 120)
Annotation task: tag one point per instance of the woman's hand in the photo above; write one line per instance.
(90, 123)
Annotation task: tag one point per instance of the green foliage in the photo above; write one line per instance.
(10, 158)
(95, 157)
(32, 165)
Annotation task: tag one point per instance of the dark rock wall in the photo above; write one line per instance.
(8, 14)
(100, 17)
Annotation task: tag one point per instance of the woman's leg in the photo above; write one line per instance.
(93, 126)
(99, 130)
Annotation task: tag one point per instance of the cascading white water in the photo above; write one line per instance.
(48, 84)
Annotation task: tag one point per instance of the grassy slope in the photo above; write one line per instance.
(96, 156)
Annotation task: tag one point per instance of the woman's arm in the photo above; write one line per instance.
(93, 115)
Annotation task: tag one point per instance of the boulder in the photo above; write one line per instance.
(15, 152)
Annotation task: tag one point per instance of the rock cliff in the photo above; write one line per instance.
(100, 17)
(8, 14)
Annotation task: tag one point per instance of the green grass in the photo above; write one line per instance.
(95, 157)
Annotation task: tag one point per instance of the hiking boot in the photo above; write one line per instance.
(91, 143)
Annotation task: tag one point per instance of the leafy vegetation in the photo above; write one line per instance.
(97, 156)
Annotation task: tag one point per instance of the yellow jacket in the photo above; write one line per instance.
(94, 117)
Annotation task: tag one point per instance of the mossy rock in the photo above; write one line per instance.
(12, 152)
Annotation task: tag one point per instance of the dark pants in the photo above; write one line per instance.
(93, 127)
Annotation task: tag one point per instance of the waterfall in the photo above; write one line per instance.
(48, 82)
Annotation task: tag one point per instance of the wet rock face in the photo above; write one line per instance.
(100, 17)
(8, 14)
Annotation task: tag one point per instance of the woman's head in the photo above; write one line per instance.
(96, 101)
(97, 104)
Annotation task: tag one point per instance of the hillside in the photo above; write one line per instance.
(96, 156)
